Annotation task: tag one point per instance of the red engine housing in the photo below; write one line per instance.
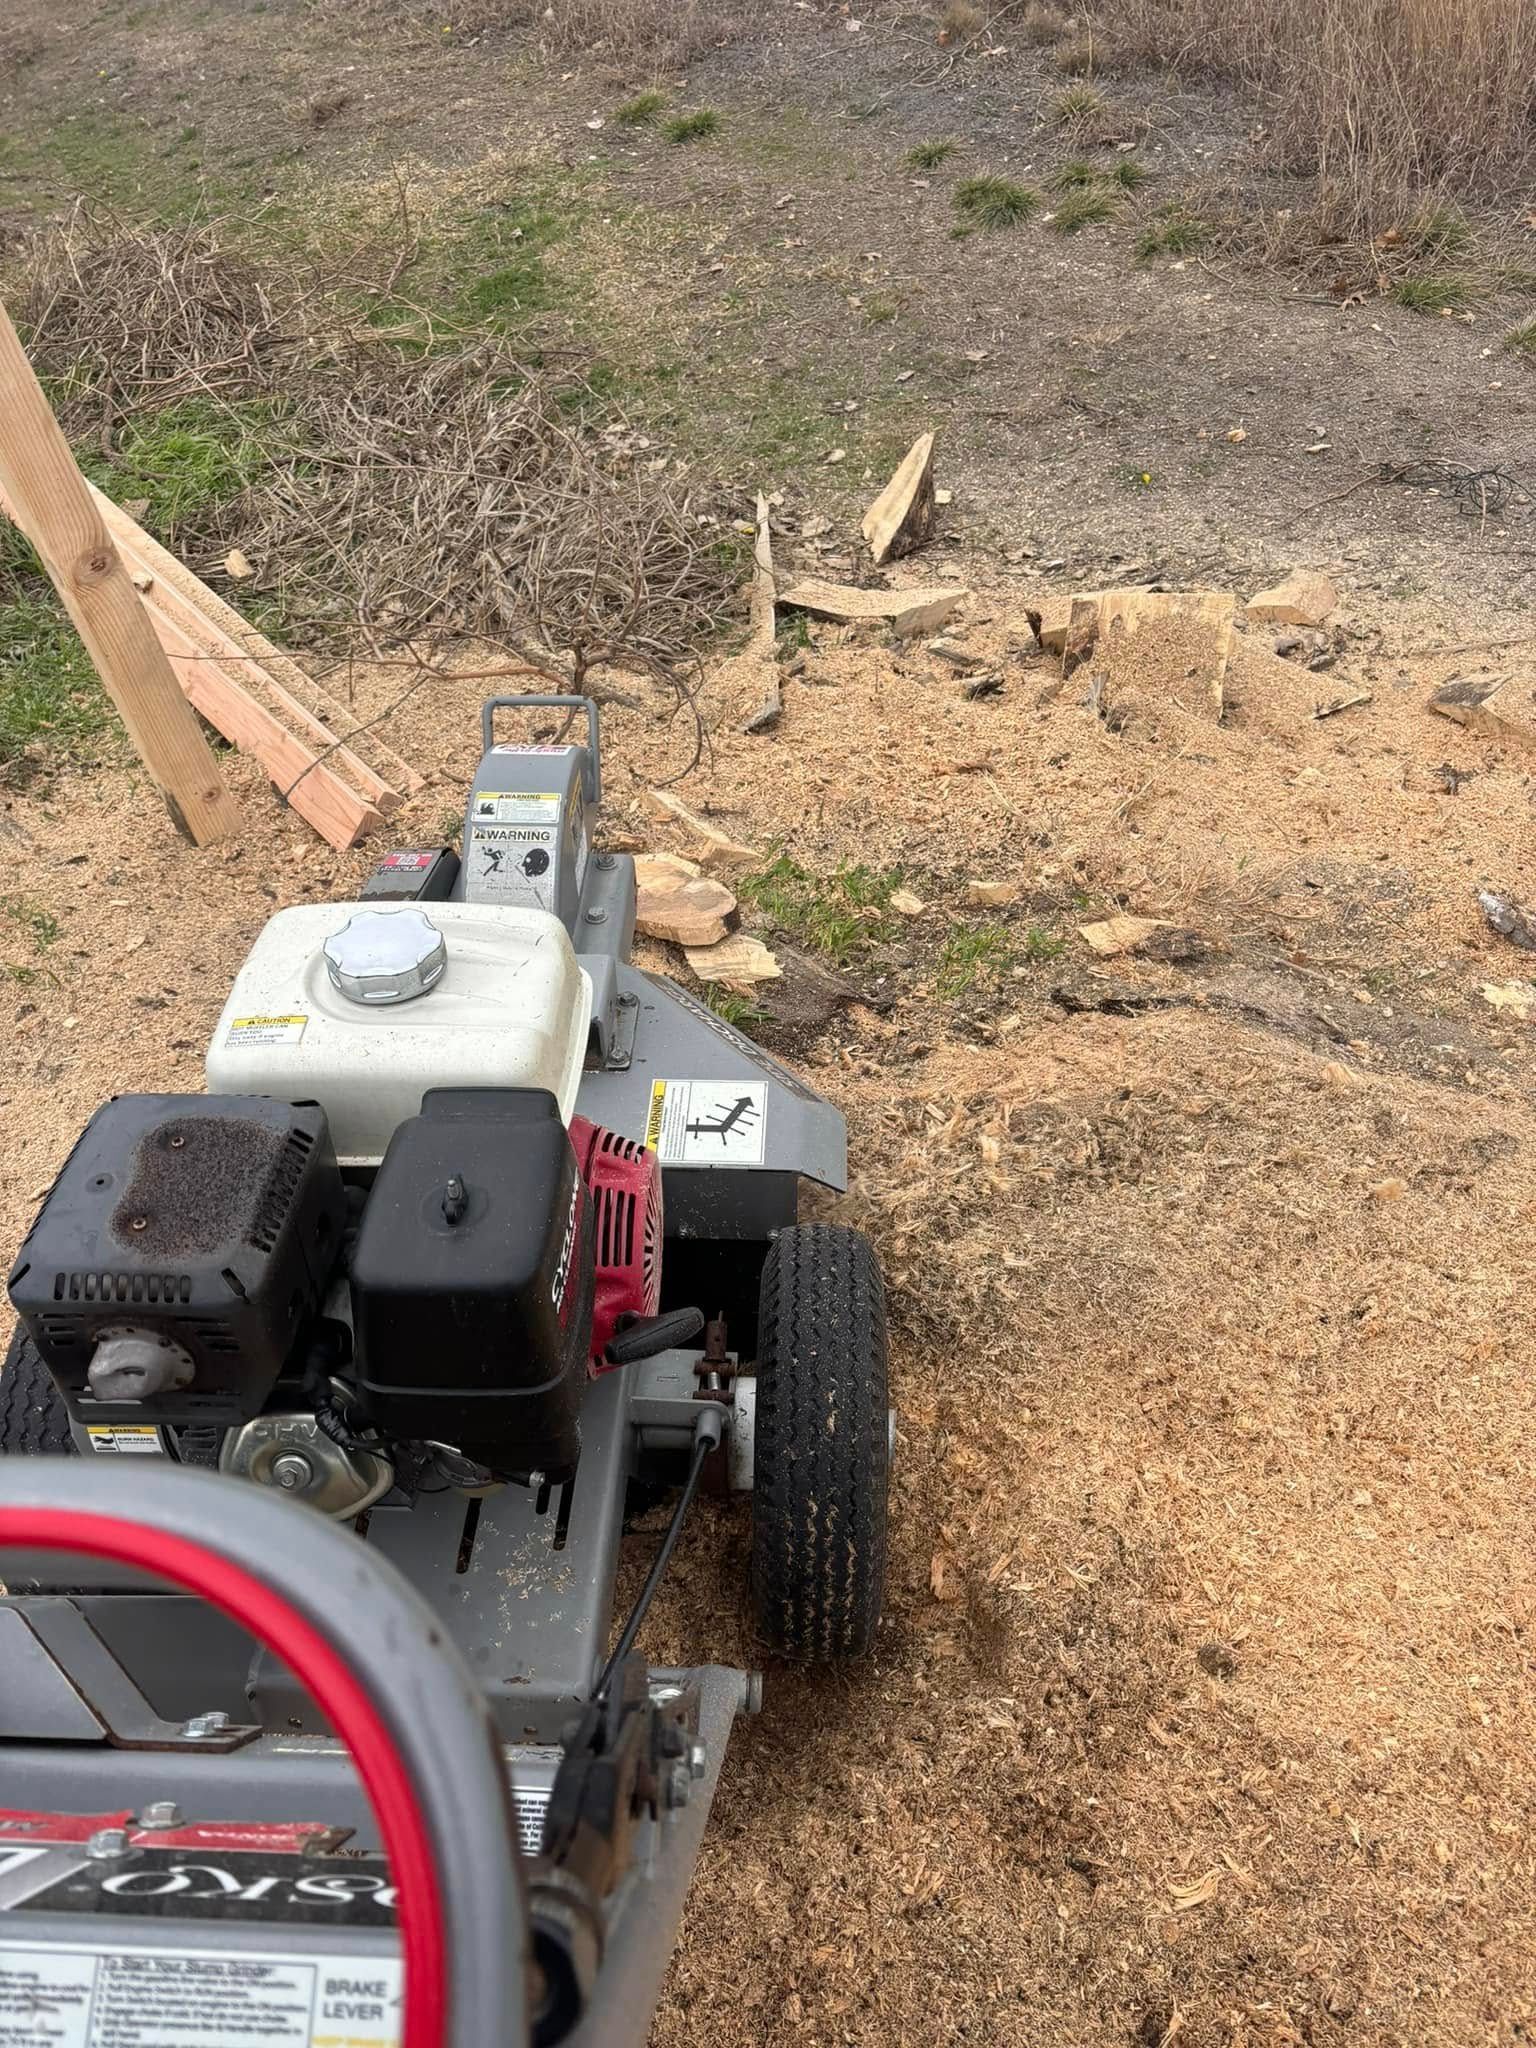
(624, 1181)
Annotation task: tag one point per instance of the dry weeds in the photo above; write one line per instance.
(1381, 100)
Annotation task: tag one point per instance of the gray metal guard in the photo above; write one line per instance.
(436, 1714)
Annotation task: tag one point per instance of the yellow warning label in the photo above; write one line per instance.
(516, 806)
(265, 1030)
(129, 1437)
(653, 1121)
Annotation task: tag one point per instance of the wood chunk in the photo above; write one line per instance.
(717, 844)
(1304, 598)
(1112, 936)
(760, 658)
(1150, 938)
(991, 895)
(1495, 706)
(908, 611)
(1334, 705)
(901, 518)
(1186, 640)
(906, 904)
(737, 961)
(685, 909)
(1050, 622)
(1081, 633)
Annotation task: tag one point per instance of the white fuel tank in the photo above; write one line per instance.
(419, 996)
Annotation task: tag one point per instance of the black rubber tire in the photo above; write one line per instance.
(34, 1421)
(822, 1457)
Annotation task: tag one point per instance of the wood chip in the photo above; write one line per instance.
(716, 844)
(1186, 1898)
(237, 565)
(991, 895)
(908, 611)
(737, 961)
(1113, 936)
(905, 904)
(676, 903)
(1495, 706)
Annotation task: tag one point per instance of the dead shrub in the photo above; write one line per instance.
(1380, 100)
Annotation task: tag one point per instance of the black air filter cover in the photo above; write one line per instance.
(472, 1281)
(209, 1221)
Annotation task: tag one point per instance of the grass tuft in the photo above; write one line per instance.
(995, 202)
(1440, 231)
(1172, 231)
(839, 915)
(1129, 175)
(643, 111)
(1077, 104)
(1431, 291)
(927, 156)
(971, 953)
(1084, 207)
(692, 127)
(1071, 177)
(1521, 341)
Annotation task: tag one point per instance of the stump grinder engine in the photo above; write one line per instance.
(328, 1392)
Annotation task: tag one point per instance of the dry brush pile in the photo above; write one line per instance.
(386, 483)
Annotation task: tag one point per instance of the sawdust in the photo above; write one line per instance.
(1204, 1709)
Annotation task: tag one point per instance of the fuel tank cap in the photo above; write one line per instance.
(385, 956)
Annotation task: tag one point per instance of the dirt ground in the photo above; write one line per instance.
(1204, 1708)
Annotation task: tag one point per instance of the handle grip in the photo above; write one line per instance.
(591, 774)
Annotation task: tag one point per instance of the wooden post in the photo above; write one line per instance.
(53, 506)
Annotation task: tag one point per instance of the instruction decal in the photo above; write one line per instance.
(248, 1031)
(708, 1123)
(512, 864)
(100, 1996)
(129, 1439)
(515, 807)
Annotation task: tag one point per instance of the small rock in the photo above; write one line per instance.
(1217, 1659)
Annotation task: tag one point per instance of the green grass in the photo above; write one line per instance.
(1521, 341)
(972, 953)
(995, 202)
(187, 458)
(1077, 103)
(1431, 291)
(643, 111)
(1173, 231)
(1518, 279)
(1129, 175)
(1440, 231)
(739, 1011)
(1073, 176)
(34, 929)
(1040, 946)
(692, 127)
(927, 156)
(50, 700)
(839, 915)
(1083, 208)
(114, 160)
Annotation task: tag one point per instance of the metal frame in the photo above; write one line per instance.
(159, 1698)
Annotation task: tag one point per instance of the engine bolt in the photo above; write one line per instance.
(606, 861)
(292, 1471)
(160, 1813)
(108, 1842)
(139, 1223)
(698, 1760)
(597, 915)
(202, 1726)
(177, 1142)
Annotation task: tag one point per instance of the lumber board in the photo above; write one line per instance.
(338, 814)
(196, 634)
(235, 639)
(53, 506)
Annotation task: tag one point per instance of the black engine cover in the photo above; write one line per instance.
(472, 1281)
(205, 1223)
